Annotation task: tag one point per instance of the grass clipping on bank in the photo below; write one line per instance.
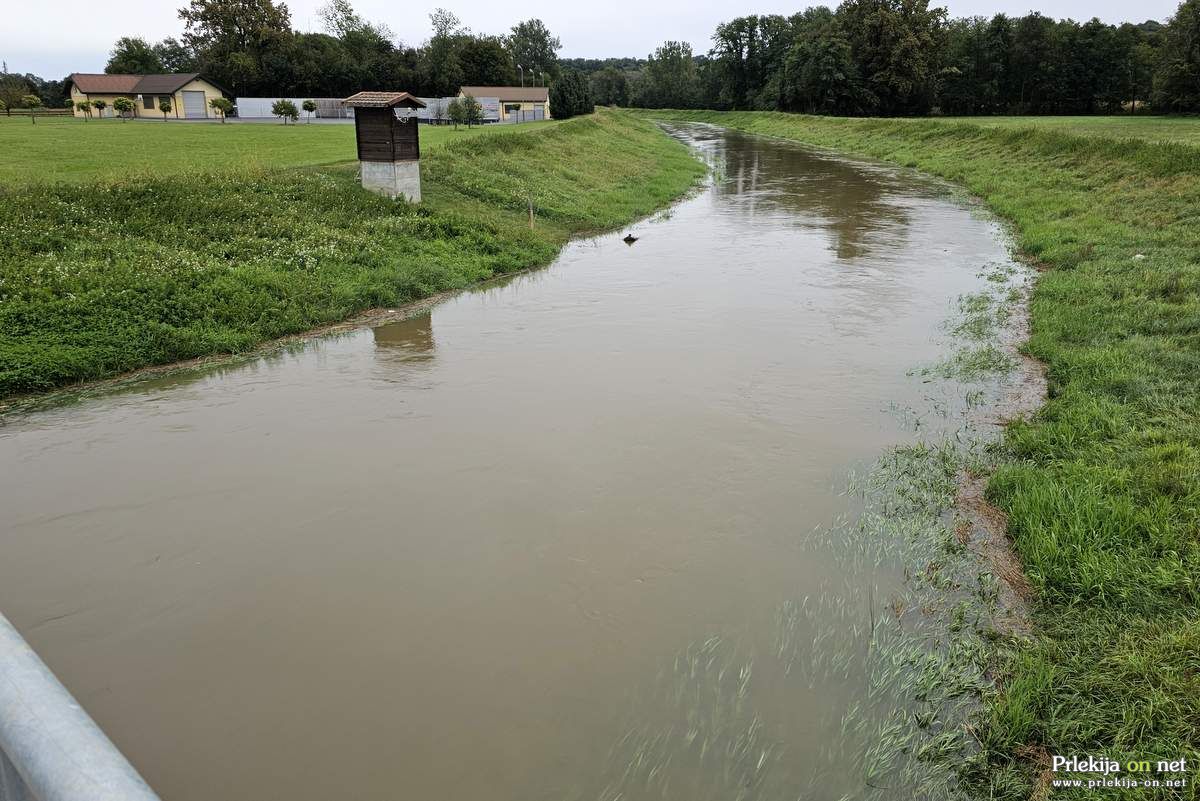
(1102, 487)
(103, 278)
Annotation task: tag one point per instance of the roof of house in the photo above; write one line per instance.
(517, 94)
(171, 82)
(382, 100)
(127, 84)
(91, 83)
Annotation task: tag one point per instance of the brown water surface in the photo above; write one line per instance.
(453, 557)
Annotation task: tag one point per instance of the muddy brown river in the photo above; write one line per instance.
(529, 546)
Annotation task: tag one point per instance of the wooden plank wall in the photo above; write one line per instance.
(382, 137)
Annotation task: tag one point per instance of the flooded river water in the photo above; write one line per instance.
(516, 548)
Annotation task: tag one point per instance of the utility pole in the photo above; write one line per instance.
(522, 69)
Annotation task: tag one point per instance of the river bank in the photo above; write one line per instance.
(107, 277)
(1101, 488)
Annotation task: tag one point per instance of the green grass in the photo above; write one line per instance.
(108, 276)
(1153, 129)
(1102, 488)
(72, 149)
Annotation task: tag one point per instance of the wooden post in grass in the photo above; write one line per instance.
(389, 153)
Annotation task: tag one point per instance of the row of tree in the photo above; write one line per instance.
(249, 47)
(878, 57)
(897, 57)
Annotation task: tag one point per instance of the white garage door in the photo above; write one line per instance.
(193, 104)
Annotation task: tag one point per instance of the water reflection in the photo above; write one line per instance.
(405, 342)
(855, 203)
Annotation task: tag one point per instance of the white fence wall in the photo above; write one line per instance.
(332, 108)
(327, 107)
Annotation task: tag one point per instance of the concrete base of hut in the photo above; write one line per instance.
(393, 178)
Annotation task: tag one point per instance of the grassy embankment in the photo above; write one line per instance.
(1152, 129)
(105, 276)
(1102, 489)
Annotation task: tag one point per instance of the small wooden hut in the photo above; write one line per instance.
(389, 150)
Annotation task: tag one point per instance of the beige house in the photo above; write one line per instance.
(189, 93)
(516, 102)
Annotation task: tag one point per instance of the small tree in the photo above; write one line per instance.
(311, 107)
(164, 105)
(456, 112)
(123, 106)
(32, 102)
(223, 106)
(99, 105)
(85, 108)
(285, 110)
(4, 108)
(472, 111)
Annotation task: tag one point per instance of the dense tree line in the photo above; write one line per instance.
(902, 57)
(249, 47)
(15, 88)
(878, 57)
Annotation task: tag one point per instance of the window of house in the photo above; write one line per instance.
(164, 99)
(148, 102)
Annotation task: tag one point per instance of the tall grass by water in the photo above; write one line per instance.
(1102, 488)
(115, 274)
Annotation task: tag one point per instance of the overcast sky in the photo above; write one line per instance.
(53, 38)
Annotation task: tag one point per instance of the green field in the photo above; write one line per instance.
(70, 149)
(1102, 488)
(1152, 129)
(214, 256)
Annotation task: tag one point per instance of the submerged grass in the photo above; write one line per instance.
(887, 660)
(1102, 488)
(107, 277)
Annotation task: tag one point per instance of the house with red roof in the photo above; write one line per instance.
(188, 93)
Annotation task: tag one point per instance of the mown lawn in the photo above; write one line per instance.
(69, 149)
(1102, 487)
(106, 276)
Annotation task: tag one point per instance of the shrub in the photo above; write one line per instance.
(223, 106)
(570, 96)
(472, 111)
(285, 110)
(123, 106)
(456, 112)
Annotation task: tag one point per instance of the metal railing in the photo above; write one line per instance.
(50, 749)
